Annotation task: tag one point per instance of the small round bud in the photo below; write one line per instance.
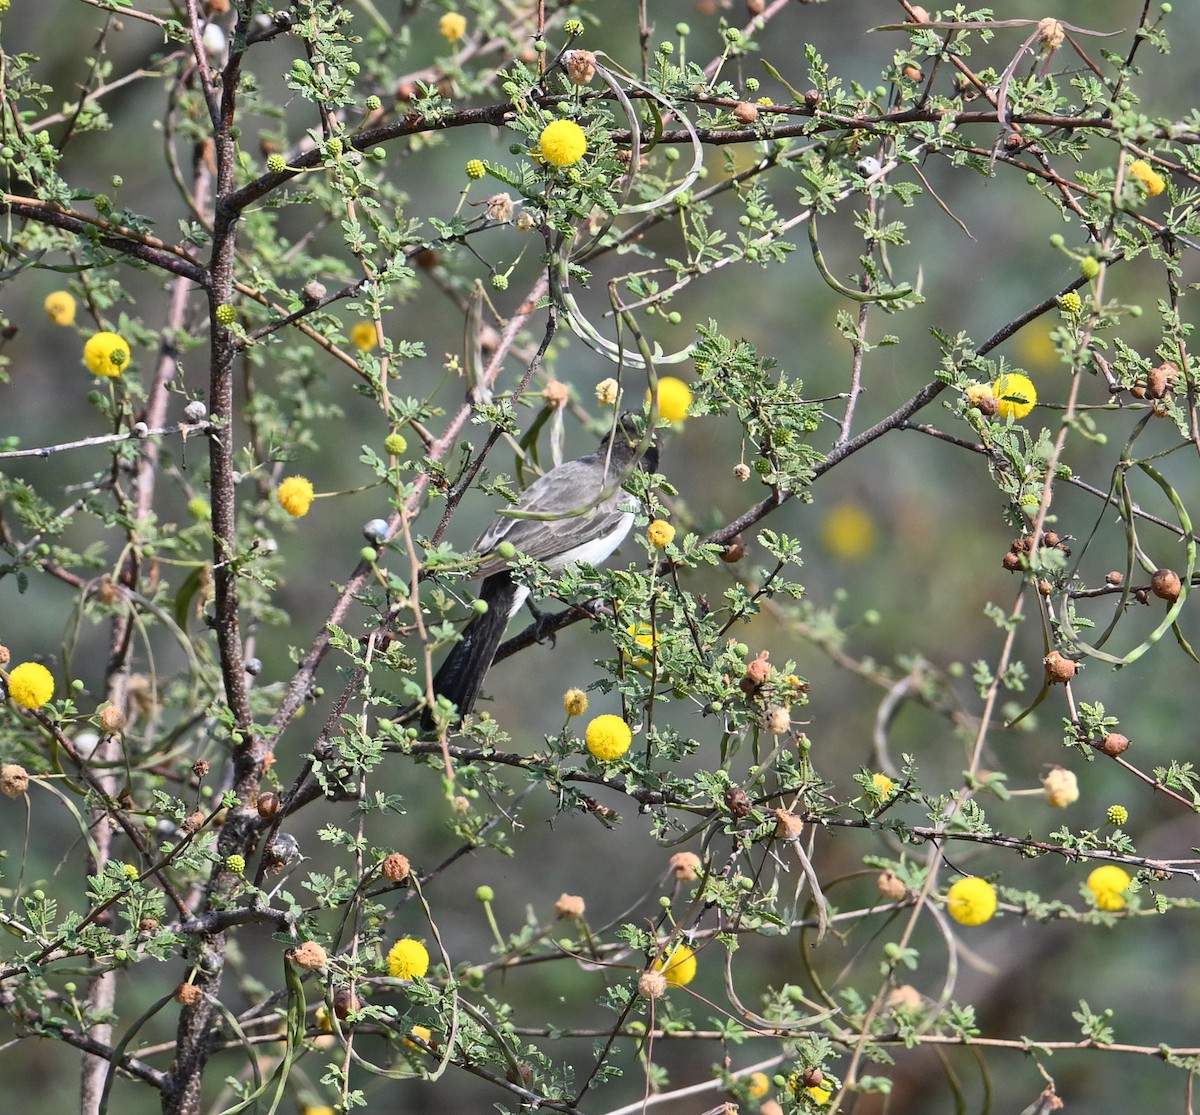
(395, 443)
(195, 411)
(484, 893)
(225, 314)
(369, 554)
(314, 291)
(1089, 267)
(345, 1002)
(253, 666)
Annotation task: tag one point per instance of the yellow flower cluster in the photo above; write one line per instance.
(1108, 885)
(608, 737)
(971, 901)
(30, 685)
(453, 26)
(407, 959)
(660, 534)
(674, 398)
(1150, 179)
(1015, 395)
(296, 495)
(60, 307)
(106, 354)
(562, 143)
(678, 969)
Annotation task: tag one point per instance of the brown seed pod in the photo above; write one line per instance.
(1158, 381)
(267, 805)
(1113, 744)
(744, 112)
(812, 1078)
(520, 1074)
(1115, 577)
(1059, 669)
(395, 867)
(1050, 538)
(1011, 562)
(1138, 390)
(787, 825)
(1045, 587)
(1140, 596)
(193, 822)
(737, 801)
(345, 1002)
(988, 406)
(1165, 584)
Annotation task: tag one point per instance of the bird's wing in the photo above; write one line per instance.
(557, 512)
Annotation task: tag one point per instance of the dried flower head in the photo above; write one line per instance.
(607, 391)
(395, 867)
(581, 66)
(575, 702)
(309, 956)
(569, 906)
(1061, 787)
(685, 866)
(14, 780)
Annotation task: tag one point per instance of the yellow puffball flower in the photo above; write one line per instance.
(660, 534)
(1108, 885)
(758, 1085)
(316, 1109)
(30, 685)
(106, 354)
(971, 901)
(60, 307)
(643, 635)
(848, 531)
(674, 398)
(453, 26)
(1015, 395)
(1061, 787)
(424, 1033)
(562, 143)
(608, 737)
(882, 784)
(296, 495)
(407, 959)
(1153, 182)
(678, 969)
(819, 1094)
(575, 702)
(362, 336)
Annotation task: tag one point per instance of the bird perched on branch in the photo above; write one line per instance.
(575, 513)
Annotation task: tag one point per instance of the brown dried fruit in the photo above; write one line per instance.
(309, 955)
(744, 112)
(188, 994)
(200, 768)
(1115, 577)
(1059, 668)
(267, 805)
(14, 779)
(737, 801)
(787, 825)
(345, 1002)
(1114, 744)
(686, 866)
(1011, 562)
(1165, 584)
(395, 867)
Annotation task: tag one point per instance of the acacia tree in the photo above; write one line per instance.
(245, 291)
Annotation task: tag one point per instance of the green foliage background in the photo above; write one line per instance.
(976, 245)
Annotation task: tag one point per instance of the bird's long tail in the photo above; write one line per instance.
(460, 677)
